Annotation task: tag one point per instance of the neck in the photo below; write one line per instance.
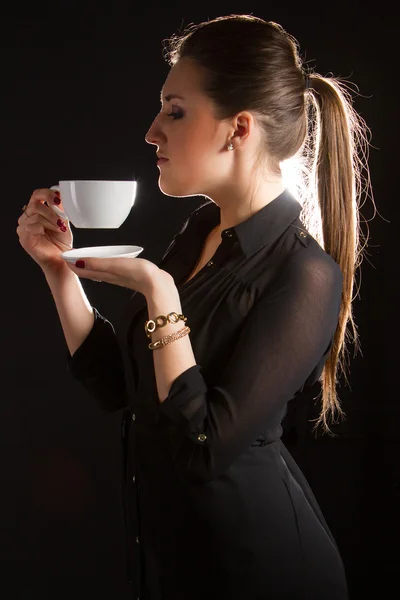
(235, 209)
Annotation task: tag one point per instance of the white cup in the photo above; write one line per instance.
(95, 204)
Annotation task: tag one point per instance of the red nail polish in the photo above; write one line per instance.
(58, 193)
(80, 264)
(56, 200)
(60, 223)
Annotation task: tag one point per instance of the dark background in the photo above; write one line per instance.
(79, 88)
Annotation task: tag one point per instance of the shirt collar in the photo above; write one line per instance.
(262, 228)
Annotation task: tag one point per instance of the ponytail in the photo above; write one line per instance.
(339, 152)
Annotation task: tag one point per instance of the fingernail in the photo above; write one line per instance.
(57, 192)
(80, 264)
(63, 229)
(56, 200)
(60, 223)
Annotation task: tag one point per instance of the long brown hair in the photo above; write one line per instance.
(252, 64)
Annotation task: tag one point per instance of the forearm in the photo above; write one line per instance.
(171, 360)
(74, 310)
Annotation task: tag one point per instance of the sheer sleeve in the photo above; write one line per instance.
(98, 365)
(283, 338)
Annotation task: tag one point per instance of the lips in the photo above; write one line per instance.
(162, 161)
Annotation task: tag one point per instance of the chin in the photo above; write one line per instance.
(176, 190)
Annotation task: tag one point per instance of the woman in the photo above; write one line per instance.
(215, 507)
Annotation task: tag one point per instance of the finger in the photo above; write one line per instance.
(99, 265)
(34, 229)
(87, 274)
(109, 266)
(39, 197)
(30, 225)
(22, 218)
(20, 231)
(37, 207)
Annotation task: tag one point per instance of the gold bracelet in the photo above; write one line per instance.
(169, 338)
(151, 325)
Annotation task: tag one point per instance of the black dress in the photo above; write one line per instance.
(214, 505)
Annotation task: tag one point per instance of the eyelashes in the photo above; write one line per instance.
(175, 115)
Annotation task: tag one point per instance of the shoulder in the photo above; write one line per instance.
(309, 260)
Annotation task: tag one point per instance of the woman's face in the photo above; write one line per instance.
(186, 132)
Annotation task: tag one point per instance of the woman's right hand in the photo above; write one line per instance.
(42, 234)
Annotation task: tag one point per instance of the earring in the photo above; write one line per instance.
(230, 146)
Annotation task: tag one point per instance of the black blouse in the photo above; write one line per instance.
(214, 504)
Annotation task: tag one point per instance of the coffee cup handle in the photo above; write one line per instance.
(60, 213)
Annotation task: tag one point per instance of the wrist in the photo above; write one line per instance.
(162, 299)
(57, 271)
(160, 285)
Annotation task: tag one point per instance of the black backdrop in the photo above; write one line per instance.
(79, 88)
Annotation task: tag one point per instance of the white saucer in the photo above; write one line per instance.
(102, 252)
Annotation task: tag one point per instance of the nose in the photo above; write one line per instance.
(154, 134)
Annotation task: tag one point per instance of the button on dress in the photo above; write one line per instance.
(214, 506)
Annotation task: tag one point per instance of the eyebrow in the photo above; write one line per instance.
(169, 97)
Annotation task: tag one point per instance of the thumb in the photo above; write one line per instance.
(93, 264)
(56, 203)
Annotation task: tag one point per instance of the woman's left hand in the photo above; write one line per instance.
(137, 274)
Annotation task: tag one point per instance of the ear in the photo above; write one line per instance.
(243, 126)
